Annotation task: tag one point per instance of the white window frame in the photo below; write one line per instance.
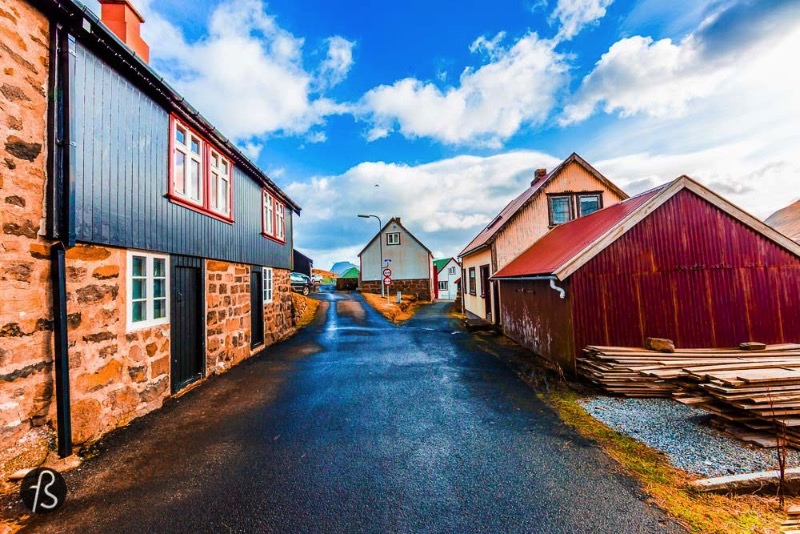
(280, 221)
(442, 282)
(149, 322)
(390, 235)
(267, 213)
(219, 174)
(451, 270)
(189, 156)
(267, 288)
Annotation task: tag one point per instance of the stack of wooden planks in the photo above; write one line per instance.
(792, 523)
(753, 394)
(637, 372)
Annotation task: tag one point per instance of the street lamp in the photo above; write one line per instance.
(380, 243)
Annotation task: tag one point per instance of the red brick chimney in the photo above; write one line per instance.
(538, 175)
(122, 18)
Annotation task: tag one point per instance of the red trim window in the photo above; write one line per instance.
(200, 176)
(280, 221)
(187, 164)
(267, 213)
(219, 183)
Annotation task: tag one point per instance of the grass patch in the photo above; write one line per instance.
(309, 307)
(397, 313)
(699, 512)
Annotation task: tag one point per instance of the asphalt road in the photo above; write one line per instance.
(355, 425)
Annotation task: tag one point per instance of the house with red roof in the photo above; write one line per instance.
(571, 190)
(677, 262)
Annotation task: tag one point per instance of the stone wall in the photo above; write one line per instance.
(26, 374)
(278, 314)
(115, 375)
(227, 315)
(420, 288)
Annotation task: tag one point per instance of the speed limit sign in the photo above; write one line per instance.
(387, 273)
(387, 281)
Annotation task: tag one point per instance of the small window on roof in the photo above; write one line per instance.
(393, 238)
(560, 209)
(589, 204)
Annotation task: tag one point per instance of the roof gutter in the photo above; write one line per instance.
(561, 291)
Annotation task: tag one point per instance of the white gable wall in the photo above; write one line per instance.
(410, 260)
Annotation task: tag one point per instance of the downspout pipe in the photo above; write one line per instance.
(62, 212)
(561, 291)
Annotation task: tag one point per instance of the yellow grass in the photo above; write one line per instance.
(310, 311)
(397, 313)
(666, 485)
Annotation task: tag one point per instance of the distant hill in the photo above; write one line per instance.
(341, 266)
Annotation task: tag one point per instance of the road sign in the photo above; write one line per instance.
(387, 273)
(387, 280)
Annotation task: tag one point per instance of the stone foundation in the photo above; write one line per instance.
(26, 371)
(278, 314)
(420, 288)
(227, 315)
(115, 375)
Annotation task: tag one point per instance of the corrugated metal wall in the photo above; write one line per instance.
(122, 149)
(690, 273)
(536, 317)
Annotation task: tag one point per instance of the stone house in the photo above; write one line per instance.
(141, 250)
(571, 190)
(411, 262)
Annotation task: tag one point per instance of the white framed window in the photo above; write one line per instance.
(219, 182)
(147, 290)
(451, 270)
(187, 164)
(280, 221)
(393, 238)
(443, 285)
(267, 213)
(266, 283)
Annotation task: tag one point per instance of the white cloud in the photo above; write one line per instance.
(246, 75)
(663, 78)
(251, 149)
(574, 15)
(638, 75)
(516, 88)
(337, 62)
(443, 203)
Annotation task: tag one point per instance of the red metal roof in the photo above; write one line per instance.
(565, 241)
(486, 235)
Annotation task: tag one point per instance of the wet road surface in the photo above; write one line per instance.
(355, 425)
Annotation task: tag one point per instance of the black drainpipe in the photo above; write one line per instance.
(62, 224)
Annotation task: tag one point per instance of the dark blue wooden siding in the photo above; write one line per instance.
(121, 153)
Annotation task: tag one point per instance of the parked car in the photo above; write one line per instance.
(301, 283)
(316, 278)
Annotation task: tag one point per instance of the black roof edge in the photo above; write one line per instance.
(71, 14)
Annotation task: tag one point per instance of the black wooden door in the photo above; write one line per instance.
(256, 307)
(187, 333)
(486, 292)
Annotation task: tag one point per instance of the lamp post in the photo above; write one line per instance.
(380, 244)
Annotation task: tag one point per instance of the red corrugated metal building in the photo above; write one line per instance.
(678, 262)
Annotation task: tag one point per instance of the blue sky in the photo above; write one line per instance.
(438, 112)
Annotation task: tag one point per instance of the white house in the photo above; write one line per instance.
(447, 273)
(411, 262)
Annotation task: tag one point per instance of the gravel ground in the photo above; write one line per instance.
(684, 434)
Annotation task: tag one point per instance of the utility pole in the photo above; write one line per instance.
(380, 244)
